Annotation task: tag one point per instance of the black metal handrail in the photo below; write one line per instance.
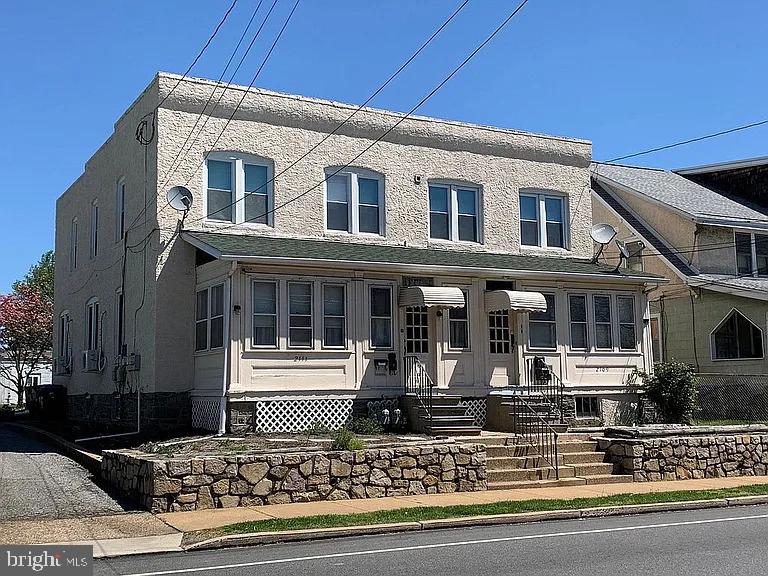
(543, 381)
(537, 432)
(418, 381)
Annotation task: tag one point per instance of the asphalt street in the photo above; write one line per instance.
(38, 483)
(701, 543)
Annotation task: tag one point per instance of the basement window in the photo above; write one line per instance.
(587, 407)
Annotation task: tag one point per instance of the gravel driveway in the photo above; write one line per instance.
(36, 482)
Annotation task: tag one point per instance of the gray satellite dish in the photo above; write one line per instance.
(179, 198)
(602, 234)
(622, 249)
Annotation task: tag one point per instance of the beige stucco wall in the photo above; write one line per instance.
(716, 251)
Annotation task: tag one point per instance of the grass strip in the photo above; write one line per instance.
(463, 510)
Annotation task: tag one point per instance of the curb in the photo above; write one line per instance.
(257, 538)
(88, 460)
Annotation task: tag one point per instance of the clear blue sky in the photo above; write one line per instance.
(626, 75)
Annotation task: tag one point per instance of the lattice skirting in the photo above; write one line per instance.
(206, 413)
(301, 414)
(476, 408)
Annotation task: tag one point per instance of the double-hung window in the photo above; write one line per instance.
(751, 254)
(94, 231)
(264, 323)
(542, 326)
(458, 327)
(334, 316)
(120, 210)
(454, 212)
(238, 189)
(64, 343)
(92, 324)
(577, 310)
(603, 323)
(626, 313)
(542, 220)
(209, 319)
(300, 314)
(73, 245)
(354, 202)
(120, 322)
(381, 316)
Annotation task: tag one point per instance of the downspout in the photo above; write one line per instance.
(227, 353)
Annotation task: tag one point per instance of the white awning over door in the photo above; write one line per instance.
(438, 296)
(515, 300)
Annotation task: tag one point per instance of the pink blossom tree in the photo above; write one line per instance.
(26, 328)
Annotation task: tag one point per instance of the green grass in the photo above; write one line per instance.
(464, 510)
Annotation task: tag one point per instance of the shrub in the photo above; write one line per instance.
(365, 426)
(318, 428)
(673, 388)
(346, 440)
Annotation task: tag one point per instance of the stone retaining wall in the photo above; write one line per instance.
(168, 485)
(681, 458)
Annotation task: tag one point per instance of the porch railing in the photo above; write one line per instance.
(542, 380)
(418, 381)
(537, 432)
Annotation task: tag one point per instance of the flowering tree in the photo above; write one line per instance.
(26, 328)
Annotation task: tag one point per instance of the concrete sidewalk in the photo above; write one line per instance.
(205, 519)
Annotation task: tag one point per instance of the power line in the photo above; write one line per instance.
(396, 124)
(352, 114)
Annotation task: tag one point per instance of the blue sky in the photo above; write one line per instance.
(626, 75)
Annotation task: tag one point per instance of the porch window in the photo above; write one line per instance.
(300, 314)
(577, 309)
(626, 306)
(264, 323)
(498, 332)
(92, 324)
(603, 330)
(334, 316)
(458, 327)
(209, 318)
(587, 407)
(454, 212)
(381, 316)
(354, 202)
(737, 338)
(542, 326)
(94, 237)
(239, 189)
(542, 220)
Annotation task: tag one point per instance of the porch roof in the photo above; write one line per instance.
(343, 254)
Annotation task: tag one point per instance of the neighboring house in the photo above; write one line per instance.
(458, 248)
(713, 314)
(39, 376)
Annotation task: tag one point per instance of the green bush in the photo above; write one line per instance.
(365, 426)
(346, 440)
(318, 428)
(673, 389)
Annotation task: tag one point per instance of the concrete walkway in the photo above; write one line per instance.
(205, 519)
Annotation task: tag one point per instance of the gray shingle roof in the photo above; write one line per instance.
(251, 246)
(678, 192)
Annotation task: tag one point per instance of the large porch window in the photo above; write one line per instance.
(542, 327)
(334, 316)
(209, 321)
(458, 327)
(381, 316)
(300, 314)
(264, 306)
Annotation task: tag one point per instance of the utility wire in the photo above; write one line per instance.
(386, 83)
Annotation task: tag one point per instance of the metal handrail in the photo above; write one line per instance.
(537, 432)
(545, 382)
(416, 380)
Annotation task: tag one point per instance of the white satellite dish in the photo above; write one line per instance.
(179, 198)
(602, 234)
(622, 249)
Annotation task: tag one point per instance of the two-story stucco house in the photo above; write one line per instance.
(296, 290)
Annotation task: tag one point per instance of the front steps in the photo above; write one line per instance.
(448, 418)
(512, 464)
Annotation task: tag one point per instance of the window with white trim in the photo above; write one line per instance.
(458, 326)
(334, 316)
(542, 326)
(587, 407)
(73, 245)
(120, 210)
(238, 189)
(209, 319)
(381, 316)
(94, 230)
(65, 347)
(354, 201)
(751, 254)
(499, 337)
(577, 311)
(737, 338)
(454, 212)
(626, 314)
(264, 312)
(300, 314)
(92, 321)
(543, 220)
(603, 322)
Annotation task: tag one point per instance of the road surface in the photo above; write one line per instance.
(38, 483)
(700, 543)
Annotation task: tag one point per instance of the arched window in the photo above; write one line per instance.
(736, 337)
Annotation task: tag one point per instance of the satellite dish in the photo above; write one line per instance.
(179, 198)
(622, 249)
(602, 233)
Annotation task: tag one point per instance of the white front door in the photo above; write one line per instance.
(418, 341)
(502, 366)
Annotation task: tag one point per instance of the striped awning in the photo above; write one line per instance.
(515, 300)
(439, 296)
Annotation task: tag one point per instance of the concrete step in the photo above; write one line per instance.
(517, 462)
(444, 411)
(536, 484)
(445, 400)
(521, 475)
(511, 450)
(609, 479)
(598, 469)
(451, 420)
(570, 447)
(582, 457)
(454, 431)
(499, 440)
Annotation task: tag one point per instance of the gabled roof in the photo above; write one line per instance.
(721, 166)
(341, 254)
(701, 204)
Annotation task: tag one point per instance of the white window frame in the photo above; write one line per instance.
(65, 342)
(590, 415)
(94, 230)
(33, 380)
(555, 322)
(73, 234)
(496, 326)
(353, 200)
(753, 256)
(612, 324)
(391, 316)
(619, 323)
(659, 321)
(541, 218)
(720, 324)
(120, 210)
(237, 161)
(466, 321)
(311, 344)
(453, 187)
(343, 286)
(571, 322)
(277, 314)
(92, 328)
(208, 320)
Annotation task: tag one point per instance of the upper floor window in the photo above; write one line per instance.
(73, 245)
(209, 318)
(542, 220)
(736, 337)
(454, 212)
(354, 202)
(752, 254)
(239, 189)
(120, 210)
(94, 236)
(120, 322)
(65, 348)
(92, 321)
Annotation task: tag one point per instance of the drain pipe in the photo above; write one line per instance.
(122, 434)
(227, 354)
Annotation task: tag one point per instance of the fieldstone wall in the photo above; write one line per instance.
(681, 458)
(170, 485)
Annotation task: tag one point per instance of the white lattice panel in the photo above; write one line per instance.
(375, 407)
(206, 413)
(301, 414)
(475, 408)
